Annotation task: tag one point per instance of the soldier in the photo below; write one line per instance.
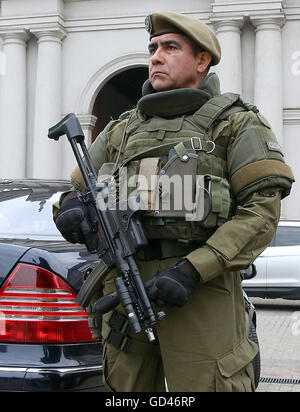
(191, 268)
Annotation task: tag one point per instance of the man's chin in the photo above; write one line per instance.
(161, 87)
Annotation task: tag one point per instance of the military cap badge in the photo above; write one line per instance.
(148, 24)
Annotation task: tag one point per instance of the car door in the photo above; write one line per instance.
(260, 280)
(283, 259)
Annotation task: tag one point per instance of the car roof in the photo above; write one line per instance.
(33, 184)
(33, 181)
(284, 222)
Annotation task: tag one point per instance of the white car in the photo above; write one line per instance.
(278, 267)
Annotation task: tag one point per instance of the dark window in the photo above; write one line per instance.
(119, 94)
(287, 236)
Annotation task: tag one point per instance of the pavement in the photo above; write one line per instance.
(278, 329)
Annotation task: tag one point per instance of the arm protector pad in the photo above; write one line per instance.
(255, 159)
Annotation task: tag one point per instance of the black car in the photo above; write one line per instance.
(45, 341)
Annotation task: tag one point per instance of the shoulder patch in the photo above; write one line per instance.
(274, 147)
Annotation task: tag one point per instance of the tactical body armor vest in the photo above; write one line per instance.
(183, 146)
(222, 140)
(224, 144)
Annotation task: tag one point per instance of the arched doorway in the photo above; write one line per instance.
(119, 94)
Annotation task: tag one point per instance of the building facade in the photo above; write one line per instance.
(90, 57)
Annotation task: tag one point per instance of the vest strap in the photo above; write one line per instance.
(214, 108)
(195, 143)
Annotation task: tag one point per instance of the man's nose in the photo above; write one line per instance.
(157, 56)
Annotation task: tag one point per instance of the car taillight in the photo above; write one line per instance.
(37, 306)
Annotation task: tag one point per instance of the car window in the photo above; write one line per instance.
(272, 243)
(287, 236)
(27, 213)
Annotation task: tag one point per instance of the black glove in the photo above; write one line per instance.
(74, 223)
(173, 286)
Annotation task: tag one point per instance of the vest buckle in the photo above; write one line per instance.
(213, 146)
(198, 146)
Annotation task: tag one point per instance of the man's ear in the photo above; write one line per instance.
(204, 58)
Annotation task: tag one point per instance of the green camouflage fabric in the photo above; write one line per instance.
(202, 346)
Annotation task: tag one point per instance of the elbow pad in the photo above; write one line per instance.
(256, 161)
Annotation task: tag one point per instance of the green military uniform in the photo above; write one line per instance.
(201, 346)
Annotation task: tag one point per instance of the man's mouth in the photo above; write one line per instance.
(157, 73)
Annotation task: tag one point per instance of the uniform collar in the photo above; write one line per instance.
(177, 102)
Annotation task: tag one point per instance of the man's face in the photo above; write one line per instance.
(172, 63)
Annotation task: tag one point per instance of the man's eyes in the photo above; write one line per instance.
(168, 47)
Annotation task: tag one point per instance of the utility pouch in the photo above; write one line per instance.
(221, 202)
(183, 193)
(203, 200)
(115, 330)
(220, 196)
(176, 184)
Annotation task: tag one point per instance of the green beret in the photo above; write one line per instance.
(162, 22)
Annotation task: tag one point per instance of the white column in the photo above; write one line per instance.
(13, 106)
(46, 160)
(268, 72)
(229, 69)
(87, 122)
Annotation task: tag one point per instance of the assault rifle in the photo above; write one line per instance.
(120, 236)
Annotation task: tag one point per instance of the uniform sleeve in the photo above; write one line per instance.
(259, 179)
(255, 160)
(238, 242)
(98, 155)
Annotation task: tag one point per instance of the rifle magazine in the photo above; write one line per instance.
(93, 282)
